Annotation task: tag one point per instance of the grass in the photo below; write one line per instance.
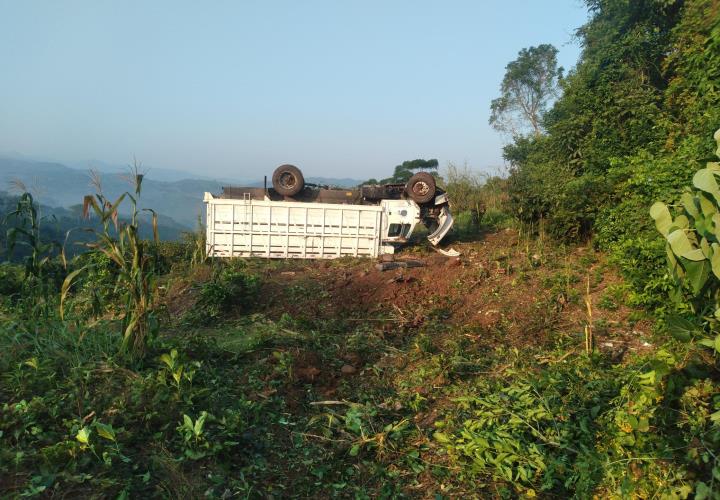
(324, 391)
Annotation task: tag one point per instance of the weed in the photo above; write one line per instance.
(230, 288)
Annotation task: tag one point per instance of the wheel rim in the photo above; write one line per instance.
(421, 188)
(287, 180)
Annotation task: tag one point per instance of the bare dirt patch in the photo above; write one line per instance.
(498, 286)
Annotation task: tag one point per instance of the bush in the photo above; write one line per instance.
(230, 288)
(11, 279)
(576, 429)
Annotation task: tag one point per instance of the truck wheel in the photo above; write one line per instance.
(421, 187)
(288, 180)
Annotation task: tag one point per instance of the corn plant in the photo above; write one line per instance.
(196, 242)
(693, 250)
(135, 278)
(26, 232)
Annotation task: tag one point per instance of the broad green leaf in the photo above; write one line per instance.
(702, 491)
(717, 343)
(706, 248)
(672, 261)
(680, 222)
(704, 180)
(681, 328)
(688, 202)
(197, 429)
(697, 273)
(695, 255)
(165, 358)
(707, 343)
(663, 220)
(715, 259)
(706, 205)
(679, 242)
(354, 450)
(105, 431)
(83, 435)
(441, 437)
(633, 421)
(703, 226)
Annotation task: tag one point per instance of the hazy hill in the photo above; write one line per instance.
(60, 186)
(180, 199)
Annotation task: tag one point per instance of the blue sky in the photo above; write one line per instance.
(234, 88)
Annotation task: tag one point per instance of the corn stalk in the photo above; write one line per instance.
(135, 280)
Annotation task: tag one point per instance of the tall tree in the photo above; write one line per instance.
(406, 170)
(530, 83)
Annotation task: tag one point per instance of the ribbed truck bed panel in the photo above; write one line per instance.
(274, 229)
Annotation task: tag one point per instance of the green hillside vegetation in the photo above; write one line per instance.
(570, 352)
(67, 227)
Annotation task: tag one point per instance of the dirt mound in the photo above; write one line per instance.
(499, 287)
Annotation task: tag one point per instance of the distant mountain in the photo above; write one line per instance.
(330, 181)
(154, 173)
(175, 194)
(57, 185)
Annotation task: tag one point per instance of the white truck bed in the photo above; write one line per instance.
(282, 229)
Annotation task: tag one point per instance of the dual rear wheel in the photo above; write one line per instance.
(287, 180)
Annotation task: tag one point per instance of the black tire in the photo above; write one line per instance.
(421, 187)
(288, 180)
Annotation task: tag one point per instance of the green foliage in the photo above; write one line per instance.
(125, 431)
(26, 231)
(587, 428)
(232, 288)
(633, 114)
(11, 279)
(693, 246)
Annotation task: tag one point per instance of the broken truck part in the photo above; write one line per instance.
(294, 219)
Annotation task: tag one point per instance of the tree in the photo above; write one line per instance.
(403, 172)
(530, 83)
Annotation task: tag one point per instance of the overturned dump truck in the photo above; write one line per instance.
(295, 219)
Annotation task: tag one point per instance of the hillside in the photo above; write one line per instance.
(570, 350)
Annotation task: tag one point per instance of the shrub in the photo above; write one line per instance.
(11, 279)
(231, 288)
(693, 249)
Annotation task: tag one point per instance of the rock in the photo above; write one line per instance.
(348, 370)
(308, 374)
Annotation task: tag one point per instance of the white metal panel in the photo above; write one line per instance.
(279, 229)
